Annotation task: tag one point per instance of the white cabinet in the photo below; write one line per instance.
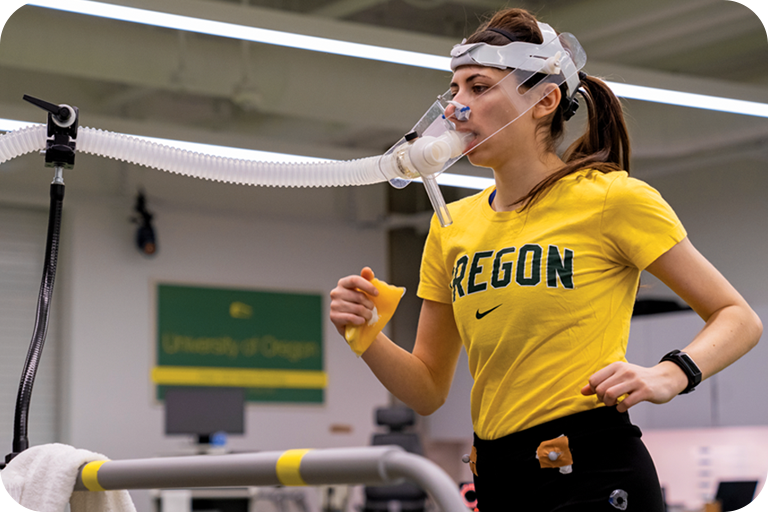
(650, 338)
(734, 397)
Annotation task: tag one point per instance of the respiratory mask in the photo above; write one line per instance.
(437, 141)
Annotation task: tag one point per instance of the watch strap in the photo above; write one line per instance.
(689, 367)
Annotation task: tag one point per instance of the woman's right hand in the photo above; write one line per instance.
(349, 302)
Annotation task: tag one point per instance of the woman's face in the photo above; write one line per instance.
(493, 107)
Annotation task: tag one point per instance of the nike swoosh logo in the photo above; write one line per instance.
(480, 315)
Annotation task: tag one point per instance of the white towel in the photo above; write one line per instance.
(42, 478)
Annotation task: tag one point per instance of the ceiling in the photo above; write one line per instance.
(158, 82)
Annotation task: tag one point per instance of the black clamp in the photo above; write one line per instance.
(63, 122)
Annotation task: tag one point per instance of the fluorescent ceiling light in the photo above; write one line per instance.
(446, 179)
(464, 181)
(9, 125)
(688, 99)
(230, 152)
(364, 51)
(245, 33)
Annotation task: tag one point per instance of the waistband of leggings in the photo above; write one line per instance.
(600, 421)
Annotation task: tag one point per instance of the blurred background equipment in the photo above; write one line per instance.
(406, 496)
(146, 240)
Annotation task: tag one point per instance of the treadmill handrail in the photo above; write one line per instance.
(363, 465)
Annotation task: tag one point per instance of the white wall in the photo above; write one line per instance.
(22, 255)
(724, 209)
(691, 462)
(729, 398)
(108, 293)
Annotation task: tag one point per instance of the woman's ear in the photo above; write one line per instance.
(548, 103)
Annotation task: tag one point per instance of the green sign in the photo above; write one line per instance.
(269, 343)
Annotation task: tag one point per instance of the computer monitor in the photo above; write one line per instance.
(734, 495)
(204, 411)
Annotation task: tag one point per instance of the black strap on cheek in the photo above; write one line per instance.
(569, 109)
(504, 33)
(570, 106)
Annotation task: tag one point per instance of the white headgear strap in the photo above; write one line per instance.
(549, 57)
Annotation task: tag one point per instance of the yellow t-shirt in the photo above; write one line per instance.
(543, 298)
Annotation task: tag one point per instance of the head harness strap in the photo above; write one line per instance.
(521, 55)
(503, 32)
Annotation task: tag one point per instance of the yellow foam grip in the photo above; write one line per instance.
(288, 466)
(360, 337)
(91, 475)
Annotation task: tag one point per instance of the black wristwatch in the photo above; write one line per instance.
(686, 364)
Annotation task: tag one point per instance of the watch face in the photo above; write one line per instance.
(690, 364)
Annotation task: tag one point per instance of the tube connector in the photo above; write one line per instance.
(430, 154)
(425, 157)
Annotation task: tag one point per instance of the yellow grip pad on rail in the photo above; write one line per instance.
(288, 465)
(360, 337)
(90, 475)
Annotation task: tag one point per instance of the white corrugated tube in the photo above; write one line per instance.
(364, 171)
(20, 142)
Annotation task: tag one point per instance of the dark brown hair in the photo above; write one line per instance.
(605, 144)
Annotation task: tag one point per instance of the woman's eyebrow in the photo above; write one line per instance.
(469, 79)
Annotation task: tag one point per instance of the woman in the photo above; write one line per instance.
(537, 279)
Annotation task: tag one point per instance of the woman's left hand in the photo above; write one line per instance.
(657, 385)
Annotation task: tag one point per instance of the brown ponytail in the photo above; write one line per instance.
(605, 144)
(603, 147)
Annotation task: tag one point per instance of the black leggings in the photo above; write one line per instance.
(608, 457)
